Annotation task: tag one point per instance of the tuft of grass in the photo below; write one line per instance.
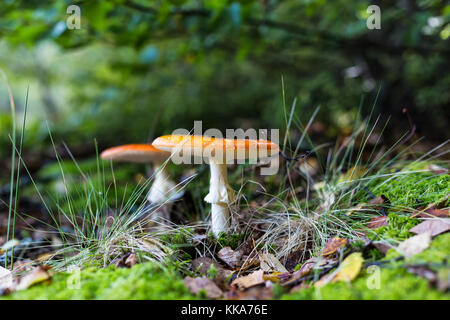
(356, 170)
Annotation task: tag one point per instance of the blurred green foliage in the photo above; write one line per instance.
(136, 69)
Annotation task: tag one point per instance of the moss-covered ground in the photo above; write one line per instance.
(141, 282)
(405, 189)
(394, 282)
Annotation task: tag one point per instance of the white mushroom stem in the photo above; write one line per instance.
(163, 187)
(161, 190)
(220, 196)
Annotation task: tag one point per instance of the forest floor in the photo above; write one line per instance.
(377, 230)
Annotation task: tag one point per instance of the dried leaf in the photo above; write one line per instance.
(45, 256)
(276, 276)
(377, 222)
(372, 206)
(10, 244)
(293, 259)
(5, 278)
(37, 275)
(131, 260)
(202, 265)
(333, 245)
(382, 246)
(305, 269)
(232, 258)
(437, 169)
(324, 280)
(414, 245)
(432, 210)
(251, 280)
(203, 283)
(347, 271)
(349, 268)
(432, 213)
(423, 272)
(250, 294)
(358, 208)
(379, 200)
(269, 263)
(433, 226)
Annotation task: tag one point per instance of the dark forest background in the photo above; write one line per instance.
(138, 69)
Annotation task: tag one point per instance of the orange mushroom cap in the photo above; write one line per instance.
(237, 148)
(135, 153)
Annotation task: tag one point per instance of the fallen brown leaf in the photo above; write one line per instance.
(45, 256)
(333, 245)
(202, 265)
(255, 293)
(293, 259)
(355, 209)
(276, 276)
(379, 200)
(372, 206)
(423, 272)
(433, 226)
(131, 260)
(195, 285)
(431, 213)
(37, 275)
(377, 222)
(231, 257)
(269, 263)
(250, 280)
(415, 244)
(382, 246)
(437, 169)
(5, 278)
(324, 280)
(307, 267)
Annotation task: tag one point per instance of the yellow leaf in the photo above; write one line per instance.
(333, 245)
(349, 268)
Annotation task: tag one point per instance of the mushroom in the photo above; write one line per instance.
(217, 153)
(163, 187)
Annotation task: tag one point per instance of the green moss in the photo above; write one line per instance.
(395, 284)
(179, 239)
(413, 188)
(228, 240)
(143, 281)
(397, 227)
(395, 281)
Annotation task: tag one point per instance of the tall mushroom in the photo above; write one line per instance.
(217, 153)
(163, 187)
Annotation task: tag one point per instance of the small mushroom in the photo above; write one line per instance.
(163, 187)
(217, 153)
